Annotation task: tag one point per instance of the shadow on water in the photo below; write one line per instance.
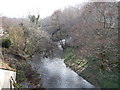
(55, 74)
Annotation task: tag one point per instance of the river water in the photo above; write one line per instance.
(55, 74)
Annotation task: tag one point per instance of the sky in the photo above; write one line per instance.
(21, 8)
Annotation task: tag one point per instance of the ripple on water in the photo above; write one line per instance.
(55, 74)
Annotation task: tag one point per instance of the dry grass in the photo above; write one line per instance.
(5, 66)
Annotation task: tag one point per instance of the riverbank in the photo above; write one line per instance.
(88, 68)
(26, 77)
(103, 75)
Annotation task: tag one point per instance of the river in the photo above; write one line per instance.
(55, 74)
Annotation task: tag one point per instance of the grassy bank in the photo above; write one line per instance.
(89, 67)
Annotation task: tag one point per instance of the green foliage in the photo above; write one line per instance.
(21, 68)
(6, 43)
(101, 77)
(25, 75)
(68, 53)
(20, 76)
(89, 68)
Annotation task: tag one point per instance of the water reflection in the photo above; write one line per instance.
(55, 74)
